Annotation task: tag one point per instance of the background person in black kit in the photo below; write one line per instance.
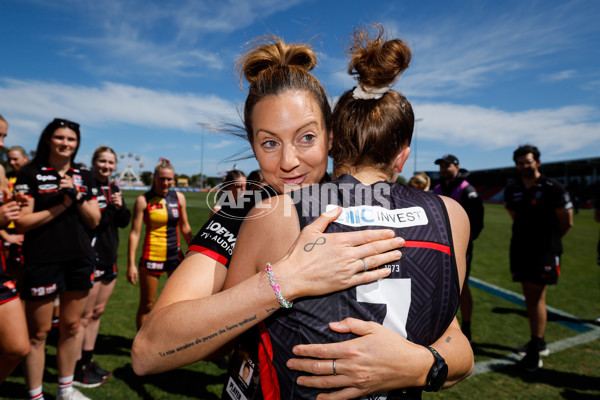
(106, 244)
(542, 213)
(454, 184)
(59, 258)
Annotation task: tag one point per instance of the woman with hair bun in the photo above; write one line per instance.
(287, 120)
(372, 128)
(163, 211)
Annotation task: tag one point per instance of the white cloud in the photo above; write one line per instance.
(224, 144)
(143, 38)
(450, 61)
(558, 131)
(558, 76)
(34, 103)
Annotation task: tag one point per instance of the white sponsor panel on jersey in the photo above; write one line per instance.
(379, 216)
(44, 178)
(48, 186)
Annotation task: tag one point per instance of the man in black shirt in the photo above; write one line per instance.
(542, 213)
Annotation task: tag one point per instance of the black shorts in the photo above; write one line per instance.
(539, 268)
(106, 273)
(8, 289)
(160, 267)
(45, 281)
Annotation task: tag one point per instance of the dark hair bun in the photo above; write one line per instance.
(273, 52)
(376, 62)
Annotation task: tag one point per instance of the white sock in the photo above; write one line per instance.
(65, 383)
(36, 394)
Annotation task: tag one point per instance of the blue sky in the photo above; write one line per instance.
(142, 76)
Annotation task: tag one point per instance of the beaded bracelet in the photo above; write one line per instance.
(283, 302)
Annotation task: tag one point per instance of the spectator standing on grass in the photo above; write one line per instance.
(163, 211)
(455, 185)
(542, 213)
(59, 258)
(105, 237)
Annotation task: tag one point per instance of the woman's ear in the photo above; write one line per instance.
(329, 140)
(401, 159)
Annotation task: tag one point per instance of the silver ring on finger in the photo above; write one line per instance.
(334, 371)
(365, 263)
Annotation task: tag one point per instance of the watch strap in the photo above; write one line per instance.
(438, 372)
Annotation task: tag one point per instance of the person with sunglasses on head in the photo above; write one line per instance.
(59, 258)
(292, 152)
(88, 373)
(164, 213)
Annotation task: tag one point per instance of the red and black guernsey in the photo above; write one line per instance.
(418, 300)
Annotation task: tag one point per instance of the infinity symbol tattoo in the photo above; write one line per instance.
(320, 241)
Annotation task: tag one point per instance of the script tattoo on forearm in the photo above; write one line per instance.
(311, 245)
(220, 332)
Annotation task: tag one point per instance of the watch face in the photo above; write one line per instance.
(439, 380)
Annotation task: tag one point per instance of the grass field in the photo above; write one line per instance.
(499, 325)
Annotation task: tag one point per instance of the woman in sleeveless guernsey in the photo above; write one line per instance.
(280, 85)
(106, 244)
(372, 128)
(163, 212)
(59, 258)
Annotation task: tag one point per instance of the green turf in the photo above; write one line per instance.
(498, 326)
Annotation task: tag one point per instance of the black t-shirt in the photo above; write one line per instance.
(536, 227)
(65, 237)
(106, 242)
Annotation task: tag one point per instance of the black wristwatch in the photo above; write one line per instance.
(437, 374)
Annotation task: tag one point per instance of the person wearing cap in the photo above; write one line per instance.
(453, 184)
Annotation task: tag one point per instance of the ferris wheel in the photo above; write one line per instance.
(129, 176)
